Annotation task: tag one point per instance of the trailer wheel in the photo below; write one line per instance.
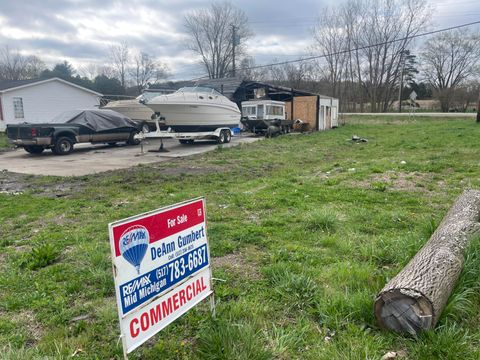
(227, 136)
(63, 146)
(34, 149)
(224, 137)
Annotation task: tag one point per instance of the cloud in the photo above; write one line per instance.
(81, 31)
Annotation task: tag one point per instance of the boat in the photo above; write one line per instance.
(135, 109)
(196, 109)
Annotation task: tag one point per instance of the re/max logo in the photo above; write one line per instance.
(135, 235)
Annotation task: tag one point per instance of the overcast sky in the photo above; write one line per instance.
(81, 31)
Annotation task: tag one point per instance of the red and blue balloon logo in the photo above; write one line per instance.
(133, 245)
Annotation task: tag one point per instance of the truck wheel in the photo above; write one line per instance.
(63, 146)
(131, 139)
(34, 149)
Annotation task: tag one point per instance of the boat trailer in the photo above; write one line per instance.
(222, 135)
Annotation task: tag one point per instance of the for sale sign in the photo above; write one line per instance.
(161, 267)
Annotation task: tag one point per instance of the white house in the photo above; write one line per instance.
(38, 100)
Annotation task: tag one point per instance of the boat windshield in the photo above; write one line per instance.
(197, 89)
(149, 95)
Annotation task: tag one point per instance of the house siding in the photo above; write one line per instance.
(42, 102)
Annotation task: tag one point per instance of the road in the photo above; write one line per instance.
(438, 114)
(89, 159)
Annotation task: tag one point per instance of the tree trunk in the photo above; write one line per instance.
(414, 299)
(478, 110)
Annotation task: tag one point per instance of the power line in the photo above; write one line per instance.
(362, 48)
(313, 19)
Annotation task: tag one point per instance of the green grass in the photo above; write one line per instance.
(3, 141)
(313, 226)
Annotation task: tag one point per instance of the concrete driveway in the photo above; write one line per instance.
(89, 159)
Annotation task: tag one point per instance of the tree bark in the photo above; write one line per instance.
(414, 299)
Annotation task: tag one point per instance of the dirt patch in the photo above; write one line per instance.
(239, 263)
(34, 329)
(185, 169)
(16, 184)
(399, 181)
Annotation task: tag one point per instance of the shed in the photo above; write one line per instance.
(319, 111)
(39, 100)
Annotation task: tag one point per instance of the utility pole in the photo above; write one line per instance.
(234, 43)
(401, 81)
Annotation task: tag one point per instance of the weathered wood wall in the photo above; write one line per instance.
(305, 108)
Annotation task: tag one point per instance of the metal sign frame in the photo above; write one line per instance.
(161, 268)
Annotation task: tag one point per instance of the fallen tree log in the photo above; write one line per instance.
(414, 299)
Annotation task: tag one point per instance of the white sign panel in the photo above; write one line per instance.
(161, 266)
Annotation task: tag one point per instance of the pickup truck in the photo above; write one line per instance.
(71, 127)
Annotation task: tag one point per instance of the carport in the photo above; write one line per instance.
(319, 111)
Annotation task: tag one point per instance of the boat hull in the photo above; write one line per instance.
(132, 109)
(184, 117)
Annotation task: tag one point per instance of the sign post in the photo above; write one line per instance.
(161, 268)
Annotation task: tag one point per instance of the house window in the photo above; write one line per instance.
(249, 110)
(18, 107)
(274, 110)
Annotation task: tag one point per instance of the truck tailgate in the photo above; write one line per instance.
(27, 131)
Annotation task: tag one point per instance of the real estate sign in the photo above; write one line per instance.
(161, 268)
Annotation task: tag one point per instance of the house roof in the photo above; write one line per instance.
(10, 85)
(237, 89)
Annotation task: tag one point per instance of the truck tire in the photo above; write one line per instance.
(131, 139)
(34, 149)
(63, 146)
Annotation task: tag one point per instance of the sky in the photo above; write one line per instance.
(82, 31)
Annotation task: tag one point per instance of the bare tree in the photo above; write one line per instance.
(363, 42)
(292, 75)
(331, 42)
(107, 71)
(90, 71)
(34, 67)
(12, 64)
(147, 69)
(15, 66)
(245, 70)
(449, 59)
(119, 57)
(466, 96)
(211, 35)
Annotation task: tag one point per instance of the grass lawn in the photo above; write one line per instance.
(305, 230)
(3, 141)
